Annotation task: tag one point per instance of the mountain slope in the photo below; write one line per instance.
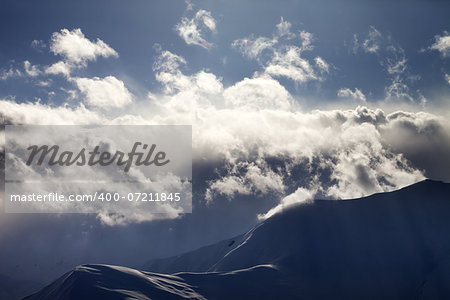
(382, 245)
(114, 282)
(386, 246)
(199, 260)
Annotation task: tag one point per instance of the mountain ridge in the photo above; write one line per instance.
(390, 245)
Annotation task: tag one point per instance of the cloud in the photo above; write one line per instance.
(38, 45)
(112, 179)
(273, 149)
(44, 83)
(17, 72)
(104, 92)
(59, 67)
(288, 63)
(168, 62)
(392, 59)
(373, 41)
(284, 29)
(76, 51)
(447, 78)
(259, 142)
(167, 72)
(398, 90)
(442, 44)
(279, 56)
(343, 148)
(192, 30)
(348, 93)
(301, 195)
(396, 66)
(252, 47)
(322, 64)
(246, 178)
(422, 138)
(347, 153)
(42, 114)
(306, 38)
(31, 70)
(189, 5)
(10, 73)
(258, 93)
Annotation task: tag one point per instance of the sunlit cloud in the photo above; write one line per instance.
(192, 30)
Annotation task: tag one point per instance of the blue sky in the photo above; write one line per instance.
(288, 101)
(133, 29)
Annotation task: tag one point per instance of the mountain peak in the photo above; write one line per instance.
(386, 246)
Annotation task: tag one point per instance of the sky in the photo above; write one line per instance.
(288, 101)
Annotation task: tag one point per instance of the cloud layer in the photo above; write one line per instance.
(266, 145)
(252, 132)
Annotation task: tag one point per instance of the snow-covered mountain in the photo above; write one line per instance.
(386, 246)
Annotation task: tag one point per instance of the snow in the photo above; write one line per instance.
(386, 246)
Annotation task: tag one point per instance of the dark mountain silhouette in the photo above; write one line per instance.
(386, 246)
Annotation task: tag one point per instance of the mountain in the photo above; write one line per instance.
(114, 282)
(200, 260)
(386, 246)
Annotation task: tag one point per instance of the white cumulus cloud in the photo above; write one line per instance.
(76, 51)
(104, 92)
(59, 67)
(76, 48)
(442, 44)
(348, 93)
